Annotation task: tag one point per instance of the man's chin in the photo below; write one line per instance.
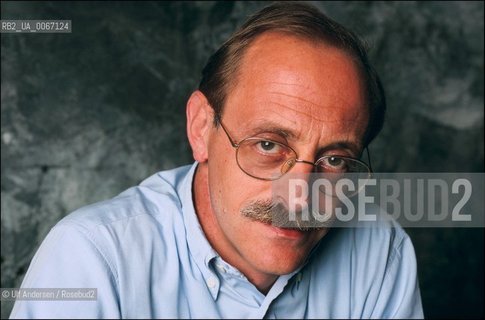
(284, 250)
(279, 264)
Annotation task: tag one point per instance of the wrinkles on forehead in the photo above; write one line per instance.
(333, 108)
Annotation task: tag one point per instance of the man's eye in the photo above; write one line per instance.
(267, 145)
(335, 163)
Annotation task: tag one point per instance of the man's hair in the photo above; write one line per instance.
(303, 21)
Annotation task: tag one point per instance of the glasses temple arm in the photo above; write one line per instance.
(368, 158)
(218, 120)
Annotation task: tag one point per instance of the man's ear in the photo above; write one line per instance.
(199, 121)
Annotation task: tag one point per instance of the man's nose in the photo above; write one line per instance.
(297, 173)
(293, 188)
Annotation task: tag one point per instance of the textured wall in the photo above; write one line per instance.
(87, 114)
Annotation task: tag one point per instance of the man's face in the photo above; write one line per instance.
(311, 97)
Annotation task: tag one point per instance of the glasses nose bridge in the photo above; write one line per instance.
(296, 161)
(305, 161)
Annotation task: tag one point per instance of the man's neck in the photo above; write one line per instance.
(216, 237)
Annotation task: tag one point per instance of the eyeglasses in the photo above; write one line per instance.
(266, 159)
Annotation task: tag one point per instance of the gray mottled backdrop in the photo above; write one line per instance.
(87, 114)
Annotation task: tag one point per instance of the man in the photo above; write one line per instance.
(291, 91)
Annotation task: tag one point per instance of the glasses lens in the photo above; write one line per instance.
(336, 164)
(335, 169)
(264, 159)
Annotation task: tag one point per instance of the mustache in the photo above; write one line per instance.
(276, 213)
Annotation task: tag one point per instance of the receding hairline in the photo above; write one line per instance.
(316, 42)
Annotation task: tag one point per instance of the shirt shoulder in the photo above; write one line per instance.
(119, 247)
(155, 199)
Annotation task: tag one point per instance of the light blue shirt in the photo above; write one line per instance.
(148, 257)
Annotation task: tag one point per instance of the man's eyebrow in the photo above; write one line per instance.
(341, 145)
(272, 127)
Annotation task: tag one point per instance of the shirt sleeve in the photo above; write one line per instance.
(399, 296)
(70, 258)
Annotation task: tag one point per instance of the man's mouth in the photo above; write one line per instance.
(285, 232)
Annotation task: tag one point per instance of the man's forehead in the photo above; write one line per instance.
(286, 68)
(296, 118)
